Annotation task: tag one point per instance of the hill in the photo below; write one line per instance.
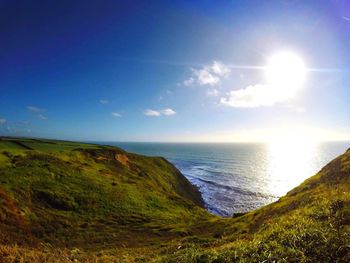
(75, 202)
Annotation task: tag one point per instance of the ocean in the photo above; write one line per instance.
(239, 177)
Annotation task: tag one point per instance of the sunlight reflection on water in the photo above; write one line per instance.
(289, 164)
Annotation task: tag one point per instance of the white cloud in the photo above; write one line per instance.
(220, 69)
(346, 18)
(25, 123)
(42, 117)
(116, 114)
(188, 82)
(102, 101)
(35, 109)
(2, 121)
(38, 112)
(158, 113)
(152, 113)
(205, 77)
(168, 112)
(208, 75)
(256, 96)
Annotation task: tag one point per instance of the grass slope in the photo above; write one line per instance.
(75, 202)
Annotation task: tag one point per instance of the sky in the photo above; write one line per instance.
(175, 71)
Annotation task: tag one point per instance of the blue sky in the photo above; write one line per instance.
(172, 70)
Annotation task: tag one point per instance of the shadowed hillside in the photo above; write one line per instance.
(68, 202)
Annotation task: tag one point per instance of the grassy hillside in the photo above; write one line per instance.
(74, 202)
(69, 195)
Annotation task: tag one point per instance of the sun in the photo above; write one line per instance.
(286, 70)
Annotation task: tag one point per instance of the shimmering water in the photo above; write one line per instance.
(241, 177)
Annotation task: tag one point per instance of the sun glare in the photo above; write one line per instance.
(286, 70)
(289, 164)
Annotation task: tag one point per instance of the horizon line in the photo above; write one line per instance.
(169, 142)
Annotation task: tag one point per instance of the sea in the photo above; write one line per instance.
(240, 177)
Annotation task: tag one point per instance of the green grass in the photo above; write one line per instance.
(42, 144)
(9, 145)
(66, 201)
(67, 193)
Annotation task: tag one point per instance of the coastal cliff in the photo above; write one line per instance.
(75, 202)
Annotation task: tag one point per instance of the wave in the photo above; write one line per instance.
(234, 189)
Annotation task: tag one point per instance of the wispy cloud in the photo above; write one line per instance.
(35, 109)
(220, 69)
(158, 113)
(208, 75)
(2, 121)
(42, 117)
(103, 101)
(258, 95)
(39, 112)
(346, 18)
(25, 123)
(19, 127)
(152, 113)
(116, 114)
(168, 112)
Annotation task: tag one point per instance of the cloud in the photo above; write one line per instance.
(42, 117)
(220, 69)
(346, 18)
(25, 123)
(116, 114)
(35, 109)
(102, 101)
(168, 112)
(152, 113)
(188, 82)
(158, 113)
(204, 77)
(2, 121)
(256, 96)
(208, 75)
